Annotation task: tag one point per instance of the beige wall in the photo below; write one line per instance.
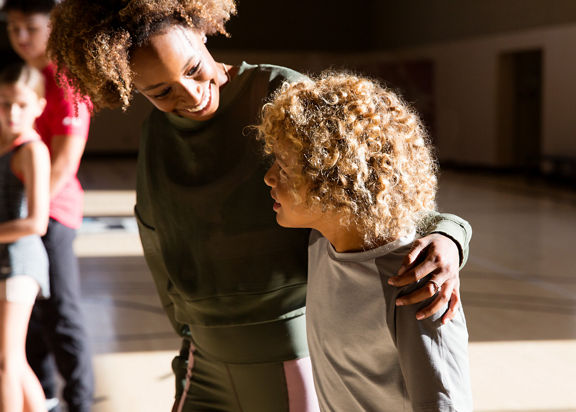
(466, 86)
(466, 74)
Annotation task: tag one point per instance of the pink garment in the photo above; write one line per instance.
(62, 118)
(299, 381)
(301, 394)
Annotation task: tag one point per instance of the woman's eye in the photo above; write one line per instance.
(162, 94)
(193, 70)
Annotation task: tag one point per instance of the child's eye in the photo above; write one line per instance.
(282, 172)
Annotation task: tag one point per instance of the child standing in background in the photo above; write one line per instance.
(353, 163)
(24, 203)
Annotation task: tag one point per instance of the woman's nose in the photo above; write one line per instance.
(192, 92)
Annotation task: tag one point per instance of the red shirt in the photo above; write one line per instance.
(60, 118)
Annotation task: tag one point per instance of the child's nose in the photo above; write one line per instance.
(269, 177)
(20, 34)
(14, 110)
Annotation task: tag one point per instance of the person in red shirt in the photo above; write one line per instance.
(57, 330)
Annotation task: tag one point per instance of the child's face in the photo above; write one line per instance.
(290, 194)
(19, 108)
(28, 34)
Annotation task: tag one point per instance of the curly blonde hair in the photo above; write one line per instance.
(91, 41)
(362, 151)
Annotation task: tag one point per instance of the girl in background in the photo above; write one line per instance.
(24, 202)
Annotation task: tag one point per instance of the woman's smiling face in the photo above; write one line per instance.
(178, 75)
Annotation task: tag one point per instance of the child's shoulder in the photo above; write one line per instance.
(29, 149)
(29, 141)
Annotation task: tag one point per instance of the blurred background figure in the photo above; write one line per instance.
(57, 338)
(24, 203)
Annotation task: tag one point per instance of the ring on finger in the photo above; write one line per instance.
(436, 286)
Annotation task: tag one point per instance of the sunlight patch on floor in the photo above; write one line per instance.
(523, 375)
(136, 381)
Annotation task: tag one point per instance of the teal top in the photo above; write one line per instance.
(231, 280)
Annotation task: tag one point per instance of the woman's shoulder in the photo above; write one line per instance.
(274, 73)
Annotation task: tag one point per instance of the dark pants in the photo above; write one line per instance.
(57, 334)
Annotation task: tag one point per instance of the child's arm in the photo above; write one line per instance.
(32, 163)
(442, 252)
(433, 356)
(69, 127)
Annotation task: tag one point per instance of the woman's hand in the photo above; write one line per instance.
(438, 255)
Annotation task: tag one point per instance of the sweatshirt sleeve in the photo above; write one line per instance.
(160, 276)
(453, 227)
(433, 356)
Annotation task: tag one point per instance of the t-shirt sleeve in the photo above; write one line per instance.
(70, 118)
(433, 356)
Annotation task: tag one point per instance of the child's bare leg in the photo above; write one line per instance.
(19, 387)
(34, 399)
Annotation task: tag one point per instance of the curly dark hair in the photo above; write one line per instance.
(91, 42)
(29, 6)
(361, 152)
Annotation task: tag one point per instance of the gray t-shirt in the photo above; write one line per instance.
(367, 353)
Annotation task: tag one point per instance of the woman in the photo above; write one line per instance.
(232, 282)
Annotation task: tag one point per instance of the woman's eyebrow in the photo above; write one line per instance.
(153, 86)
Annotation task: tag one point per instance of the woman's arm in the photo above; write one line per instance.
(32, 163)
(441, 253)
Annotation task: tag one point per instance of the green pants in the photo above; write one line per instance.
(211, 385)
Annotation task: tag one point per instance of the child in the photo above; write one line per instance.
(353, 163)
(24, 202)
